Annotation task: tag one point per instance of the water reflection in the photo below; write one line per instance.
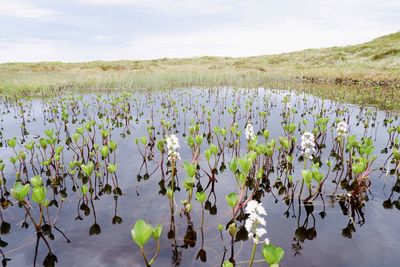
(131, 175)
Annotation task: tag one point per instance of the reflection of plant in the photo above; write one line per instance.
(141, 234)
(217, 128)
(201, 197)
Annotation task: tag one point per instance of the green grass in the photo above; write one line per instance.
(371, 64)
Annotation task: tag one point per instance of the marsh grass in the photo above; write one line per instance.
(370, 68)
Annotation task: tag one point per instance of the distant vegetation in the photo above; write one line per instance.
(372, 64)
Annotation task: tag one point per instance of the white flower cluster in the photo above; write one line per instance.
(249, 132)
(342, 129)
(172, 147)
(255, 223)
(307, 145)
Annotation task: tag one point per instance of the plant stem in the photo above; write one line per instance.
(144, 256)
(302, 179)
(253, 253)
(157, 252)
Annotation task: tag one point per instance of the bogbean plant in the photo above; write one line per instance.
(35, 191)
(248, 171)
(141, 234)
(395, 160)
(188, 184)
(244, 144)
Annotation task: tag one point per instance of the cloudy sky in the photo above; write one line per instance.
(82, 30)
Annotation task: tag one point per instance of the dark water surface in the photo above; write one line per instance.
(328, 235)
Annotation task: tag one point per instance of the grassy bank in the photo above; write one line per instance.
(374, 64)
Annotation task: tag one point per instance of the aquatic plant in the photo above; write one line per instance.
(249, 132)
(172, 143)
(87, 141)
(307, 145)
(141, 234)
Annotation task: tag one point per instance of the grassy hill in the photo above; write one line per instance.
(373, 63)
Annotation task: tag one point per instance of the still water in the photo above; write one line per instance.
(328, 232)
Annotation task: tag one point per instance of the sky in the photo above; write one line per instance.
(85, 30)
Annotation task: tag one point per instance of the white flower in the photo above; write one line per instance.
(249, 132)
(307, 145)
(172, 147)
(342, 129)
(255, 224)
(251, 207)
(260, 232)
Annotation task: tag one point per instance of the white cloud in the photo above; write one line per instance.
(221, 28)
(28, 49)
(173, 6)
(247, 41)
(19, 9)
(214, 42)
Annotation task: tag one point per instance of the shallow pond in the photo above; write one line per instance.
(347, 219)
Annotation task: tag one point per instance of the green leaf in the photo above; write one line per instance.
(272, 254)
(157, 231)
(232, 229)
(80, 130)
(12, 142)
(191, 169)
(88, 168)
(214, 149)
(20, 191)
(143, 140)
(112, 168)
(201, 196)
(84, 189)
(104, 151)
(36, 181)
(227, 264)
(199, 139)
(233, 165)
(188, 183)
(266, 134)
(284, 142)
(160, 145)
(396, 154)
(317, 176)
(113, 146)
(307, 176)
(141, 232)
(232, 199)
(207, 154)
(39, 194)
